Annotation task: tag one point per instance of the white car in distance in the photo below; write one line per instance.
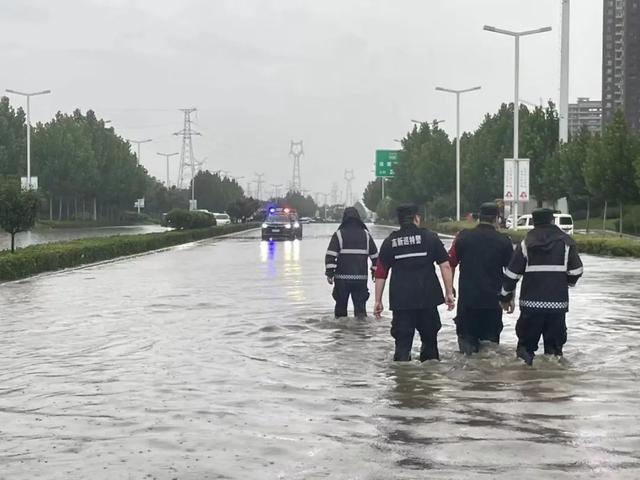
(563, 220)
(222, 218)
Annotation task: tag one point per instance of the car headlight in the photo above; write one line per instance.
(264, 225)
(288, 225)
(296, 225)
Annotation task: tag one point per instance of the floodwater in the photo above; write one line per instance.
(221, 360)
(48, 235)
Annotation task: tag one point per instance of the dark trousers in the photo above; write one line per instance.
(403, 327)
(476, 324)
(552, 327)
(359, 293)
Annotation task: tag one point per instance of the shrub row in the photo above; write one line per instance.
(596, 245)
(184, 219)
(55, 256)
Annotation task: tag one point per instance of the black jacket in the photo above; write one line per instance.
(548, 262)
(349, 250)
(410, 253)
(482, 253)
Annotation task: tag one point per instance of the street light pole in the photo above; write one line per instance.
(516, 106)
(139, 142)
(457, 93)
(28, 95)
(434, 123)
(167, 156)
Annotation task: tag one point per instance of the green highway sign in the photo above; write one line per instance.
(386, 161)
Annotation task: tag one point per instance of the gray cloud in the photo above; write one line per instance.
(345, 76)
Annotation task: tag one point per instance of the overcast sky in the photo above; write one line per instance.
(345, 76)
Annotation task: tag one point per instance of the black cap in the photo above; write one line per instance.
(406, 213)
(542, 216)
(489, 209)
(350, 212)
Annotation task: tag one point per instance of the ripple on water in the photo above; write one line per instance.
(179, 379)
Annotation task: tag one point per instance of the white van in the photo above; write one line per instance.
(562, 220)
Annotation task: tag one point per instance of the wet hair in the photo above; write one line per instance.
(406, 213)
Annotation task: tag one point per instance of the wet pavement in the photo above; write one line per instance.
(48, 235)
(221, 359)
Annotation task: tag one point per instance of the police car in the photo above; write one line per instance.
(281, 223)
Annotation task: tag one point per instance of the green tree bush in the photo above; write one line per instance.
(18, 209)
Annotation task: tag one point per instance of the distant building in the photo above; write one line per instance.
(621, 60)
(585, 113)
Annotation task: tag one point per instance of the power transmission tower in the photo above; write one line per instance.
(348, 197)
(259, 182)
(296, 151)
(248, 191)
(187, 159)
(276, 190)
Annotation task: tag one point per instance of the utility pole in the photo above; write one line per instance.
(296, 151)
(348, 197)
(138, 143)
(28, 96)
(167, 156)
(248, 191)
(564, 73)
(187, 159)
(276, 190)
(457, 94)
(259, 182)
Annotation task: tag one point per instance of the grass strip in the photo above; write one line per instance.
(592, 244)
(48, 257)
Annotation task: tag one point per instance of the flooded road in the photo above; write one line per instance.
(221, 360)
(48, 235)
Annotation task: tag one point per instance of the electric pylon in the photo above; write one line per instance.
(259, 182)
(348, 197)
(296, 151)
(187, 159)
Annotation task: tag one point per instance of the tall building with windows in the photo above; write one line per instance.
(621, 60)
(585, 113)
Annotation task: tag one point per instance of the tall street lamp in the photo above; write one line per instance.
(167, 156)
(516, 102)
(139, 142)
(457, 93)
(434, 123)
(28, 95)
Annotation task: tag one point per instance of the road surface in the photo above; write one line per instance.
(221, 359)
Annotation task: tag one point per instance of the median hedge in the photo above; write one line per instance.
(592, 244)
(56, 256)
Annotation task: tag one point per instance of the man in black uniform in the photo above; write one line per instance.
(415, 291)
(548, 261)
(482, 254)
(346, 263)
